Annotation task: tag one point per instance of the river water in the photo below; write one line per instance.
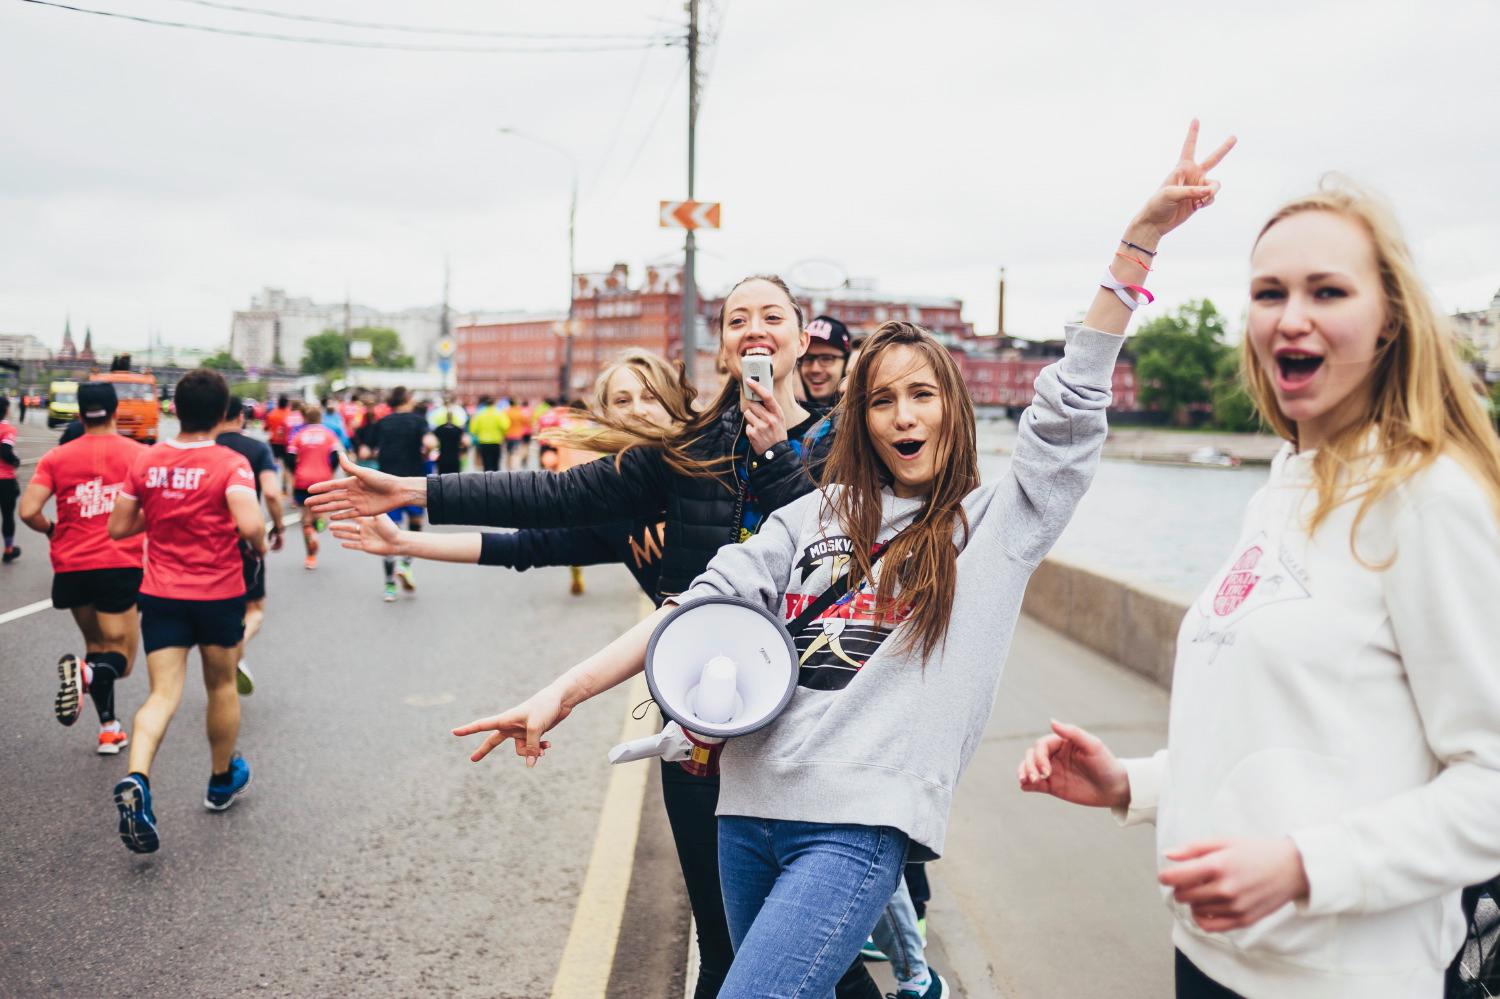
(1160, 524)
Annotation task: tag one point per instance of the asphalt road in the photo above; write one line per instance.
(370, 857)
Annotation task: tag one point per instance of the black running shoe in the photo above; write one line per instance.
(70, 691)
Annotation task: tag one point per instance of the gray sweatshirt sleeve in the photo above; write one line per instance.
(757, 569)
(1057, 448)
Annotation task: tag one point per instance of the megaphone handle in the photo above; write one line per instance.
(703, 761)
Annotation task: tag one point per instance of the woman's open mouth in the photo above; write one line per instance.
(1295, 369)
(909, 448)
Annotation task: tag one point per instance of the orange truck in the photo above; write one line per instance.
(139, 408)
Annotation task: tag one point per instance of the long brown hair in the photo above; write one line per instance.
(923, 559)
(1422, 402)
(674, 443)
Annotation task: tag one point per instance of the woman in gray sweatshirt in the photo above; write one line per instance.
(819, 810)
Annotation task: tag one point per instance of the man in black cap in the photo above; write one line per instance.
(95, 578)
(822, 367)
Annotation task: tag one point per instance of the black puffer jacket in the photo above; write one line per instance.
(701, 513)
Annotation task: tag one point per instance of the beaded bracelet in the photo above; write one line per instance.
(1122, 291)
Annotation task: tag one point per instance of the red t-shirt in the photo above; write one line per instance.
(276, 424)
(192, 545)
(312, 444)
(85, 475)
(7, 436)
(354, 416)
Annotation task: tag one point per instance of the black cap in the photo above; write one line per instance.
(830, 331)
(97, 400)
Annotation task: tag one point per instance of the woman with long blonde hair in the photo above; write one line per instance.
(1332, 776)
(637, 393)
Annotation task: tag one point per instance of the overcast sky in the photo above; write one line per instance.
(153, 178)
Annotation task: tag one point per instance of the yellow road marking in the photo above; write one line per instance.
(589, 954)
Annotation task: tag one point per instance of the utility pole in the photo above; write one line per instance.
(565, 390)
(1000, 326)
(689, 280)
(443, 323)
(348, 349)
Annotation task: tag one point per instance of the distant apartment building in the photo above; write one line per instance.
(1481, 330)
(22, 348)
(273, 330)
(521, 355)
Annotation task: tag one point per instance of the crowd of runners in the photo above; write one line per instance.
(1332, 780)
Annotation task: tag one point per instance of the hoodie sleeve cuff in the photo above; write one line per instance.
(1148, 775)
(1090, 356)
(1328, 859)
(435, 511)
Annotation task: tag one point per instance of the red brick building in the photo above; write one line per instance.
(521, 356)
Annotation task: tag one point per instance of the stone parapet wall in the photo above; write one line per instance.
(1133, 623)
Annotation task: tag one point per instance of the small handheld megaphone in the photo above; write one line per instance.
(721, 666)
(717, 667)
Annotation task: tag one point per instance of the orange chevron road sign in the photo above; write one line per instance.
(689, 215)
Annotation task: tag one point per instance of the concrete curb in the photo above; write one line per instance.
(1131, 622)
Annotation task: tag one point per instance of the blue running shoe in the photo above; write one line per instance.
(221, 796)
(137, 822)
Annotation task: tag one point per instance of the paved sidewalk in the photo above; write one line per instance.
(1035, 897)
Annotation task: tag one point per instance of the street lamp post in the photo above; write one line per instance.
(565, 376)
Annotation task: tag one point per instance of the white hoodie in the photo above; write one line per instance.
(1355, 710)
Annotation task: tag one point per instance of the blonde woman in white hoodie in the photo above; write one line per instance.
(1332, 776)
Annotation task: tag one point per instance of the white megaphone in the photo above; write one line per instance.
(718, 667)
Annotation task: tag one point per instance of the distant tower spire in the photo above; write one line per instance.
(87, 354)
(69, 351)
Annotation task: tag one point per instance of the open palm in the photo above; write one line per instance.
(376, 535)
(1075, 766)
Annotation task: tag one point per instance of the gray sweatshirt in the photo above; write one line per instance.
(873, 736)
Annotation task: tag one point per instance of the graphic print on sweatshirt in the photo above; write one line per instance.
(1262, 573)
(838, 643)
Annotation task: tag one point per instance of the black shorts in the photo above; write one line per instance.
(182, 624)
(278, 451)
(290, 461)
(109, 591)
(255, 573)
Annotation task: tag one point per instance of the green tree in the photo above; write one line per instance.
(1177, 356)
(222, 362)
(1233, 408)
(385, 347)
(328, 351)
(323, 353)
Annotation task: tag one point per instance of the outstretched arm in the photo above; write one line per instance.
(527, 722)
(1061, 433)
(379, 536)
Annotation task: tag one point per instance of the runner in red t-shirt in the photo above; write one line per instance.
(196, 502)
(314, 449)
(94, 577)
(277, 430)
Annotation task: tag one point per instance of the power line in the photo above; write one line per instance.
(650, 130)
(351, 44)
(417, 29)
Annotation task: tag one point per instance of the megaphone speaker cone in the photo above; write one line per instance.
(721, 666)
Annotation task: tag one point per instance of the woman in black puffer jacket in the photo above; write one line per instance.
(717, 480)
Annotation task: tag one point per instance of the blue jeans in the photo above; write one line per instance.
(897, 935)
(800, 898)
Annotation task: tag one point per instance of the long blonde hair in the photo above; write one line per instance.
(597, 429)
(1423, 403)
